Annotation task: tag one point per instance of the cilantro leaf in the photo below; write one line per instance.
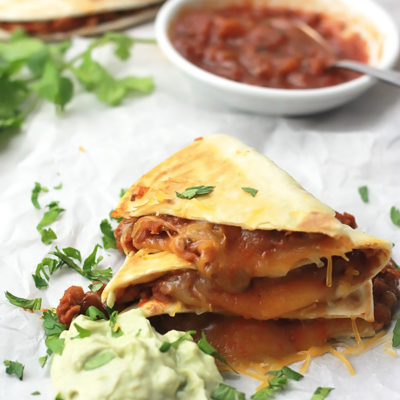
(33, 304)
(321, 393)
(363, 191)
(108, 235)
(50, 215)
(395, 216)
(165, 346)
(14, 368)
(58, 187)
(53, 86)
(55, 344)
(73, 253)
(122, 192)
(250, 190)
(207, 348)
(82, 332)
(396, 334)
(94, 313)
(35, 194)
(98, 360)
(47, 235)
(226, 392)
(116, 330)
(193, 191)
(35, 393)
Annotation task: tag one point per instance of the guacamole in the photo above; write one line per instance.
(95, 364)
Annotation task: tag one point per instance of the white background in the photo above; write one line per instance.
(330, 154)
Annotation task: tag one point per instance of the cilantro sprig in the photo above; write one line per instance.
(108, 238)
(32, 70)
(70, 257)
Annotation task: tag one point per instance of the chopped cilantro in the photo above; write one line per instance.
(396, 334)
(116, 330)
(363, 191)
(43, 360)
(89, 269)
(194, 191)
(35, 393)
(14, 368)
(95, 287)
(395, 216)
(58, 187)
(50, 215)
(51, 325)
(321, 393)
(94, 313)
(250, 190)
(98, 360)
(35, 194)
(31, 304)
(165, 346)
(47, 235)
(55, 344)
(122, 192)
(108, 235)
(277, 383)
(207, 348)
(82, 332)
(226, 392)
(41, 277)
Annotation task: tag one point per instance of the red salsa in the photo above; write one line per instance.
(265, 46)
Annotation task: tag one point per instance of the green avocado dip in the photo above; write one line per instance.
(97, 363)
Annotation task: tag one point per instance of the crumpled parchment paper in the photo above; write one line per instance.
(95, 151)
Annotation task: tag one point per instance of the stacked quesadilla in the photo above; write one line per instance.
(219, 239)
(59, 19)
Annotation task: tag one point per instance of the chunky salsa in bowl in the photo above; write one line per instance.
(267, 46)
(248, 53)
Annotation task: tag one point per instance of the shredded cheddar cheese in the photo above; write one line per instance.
(344, 360)
(355, 331)
(329, 271)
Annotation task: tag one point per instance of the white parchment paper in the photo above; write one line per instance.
(95, 151)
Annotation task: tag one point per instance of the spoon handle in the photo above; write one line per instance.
(388, 76)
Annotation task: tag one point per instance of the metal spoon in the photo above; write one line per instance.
(388, 76)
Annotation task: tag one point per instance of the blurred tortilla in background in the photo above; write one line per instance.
(61, 19)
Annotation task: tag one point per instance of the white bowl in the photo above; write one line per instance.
(366, 17)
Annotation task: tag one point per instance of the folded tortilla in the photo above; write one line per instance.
(60, 19)
(272, 253)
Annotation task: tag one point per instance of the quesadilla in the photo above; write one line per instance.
(220, 234)
(59, 19)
